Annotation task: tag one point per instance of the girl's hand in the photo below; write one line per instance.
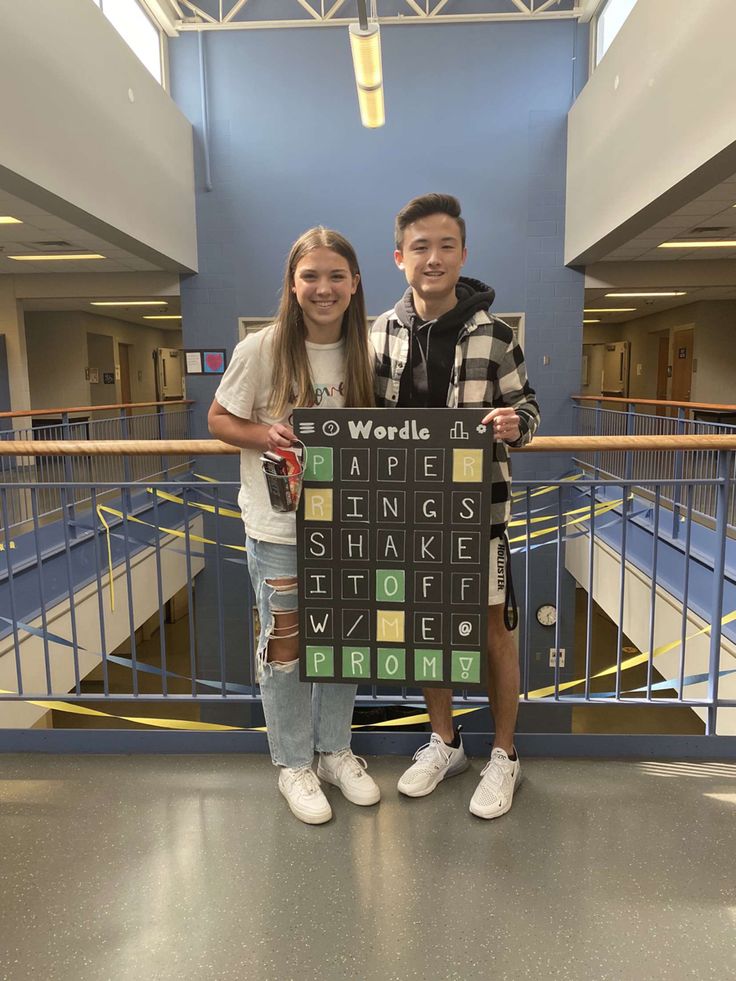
(505, 424)
(280, 437)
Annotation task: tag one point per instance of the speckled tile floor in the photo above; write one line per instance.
(156, 867)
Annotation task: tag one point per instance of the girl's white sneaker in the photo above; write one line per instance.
(300, 787)
(348, 772)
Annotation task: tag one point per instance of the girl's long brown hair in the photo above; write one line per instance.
(292, 382)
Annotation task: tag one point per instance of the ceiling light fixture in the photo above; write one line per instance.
(164, 316)
(700, 244)
(68, 257)
(9, 220)
(632, 295)
(609, 309)
(593, 321)
(365, 46)
(128, 303)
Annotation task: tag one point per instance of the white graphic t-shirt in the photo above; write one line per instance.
(245, 391)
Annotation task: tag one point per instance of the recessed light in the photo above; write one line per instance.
(700, 244)
(8, 220)
(128, 303)
(592, 321)
(609, 310)
(67, 257)
(632, 295)
(164, 316)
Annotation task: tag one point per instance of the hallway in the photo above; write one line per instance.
(183, 867)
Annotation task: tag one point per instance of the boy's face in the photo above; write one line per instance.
(431, 256)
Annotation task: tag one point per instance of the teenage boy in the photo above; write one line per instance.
(439, 346)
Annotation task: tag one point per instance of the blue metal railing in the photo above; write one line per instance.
(74, 589)
(147, 421)
(601, 416)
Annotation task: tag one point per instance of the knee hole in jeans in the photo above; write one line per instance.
(285, 624)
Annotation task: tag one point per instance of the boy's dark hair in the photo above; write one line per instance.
(423, 207)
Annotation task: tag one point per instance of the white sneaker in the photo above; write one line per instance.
(346, 771)
(303, 794)
(495, 793)
(432, 763)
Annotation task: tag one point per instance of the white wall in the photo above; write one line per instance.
(667, 627)
(12, 326)
(714, 323)
(657, 109)
(70, 130)
(117, 627)
(58, 355)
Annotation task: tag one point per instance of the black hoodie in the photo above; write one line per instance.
(432, 344)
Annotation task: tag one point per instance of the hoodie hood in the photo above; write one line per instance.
(426, 380)
(472, 296)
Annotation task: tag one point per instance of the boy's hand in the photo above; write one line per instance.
(280, 437)
(505, 424)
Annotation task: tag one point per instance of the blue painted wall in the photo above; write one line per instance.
(476, 110)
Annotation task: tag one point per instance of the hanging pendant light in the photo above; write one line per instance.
(365, 46)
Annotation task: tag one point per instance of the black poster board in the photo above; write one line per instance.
(392, 544)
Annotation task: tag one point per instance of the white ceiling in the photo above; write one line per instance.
(710, 216)
(40, 228)
(131, 315)
(645, 307)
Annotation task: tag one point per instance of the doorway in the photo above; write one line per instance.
(663, 360)
(124, 361)
(682, 364)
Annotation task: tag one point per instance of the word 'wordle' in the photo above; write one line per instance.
(392, 536)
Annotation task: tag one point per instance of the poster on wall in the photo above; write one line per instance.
(205, 361)
(392, 536)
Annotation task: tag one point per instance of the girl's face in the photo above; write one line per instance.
(323, 286)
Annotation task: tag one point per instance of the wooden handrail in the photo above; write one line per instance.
(16, 413)
(705, 406)
(213, 447)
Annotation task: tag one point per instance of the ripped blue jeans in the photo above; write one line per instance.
(301, 718)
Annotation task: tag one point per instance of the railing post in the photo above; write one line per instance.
(598, 417)
(68, 510)
(630, 413)
(127, 472)
(679, 470)
(725, 458)
(162, 435)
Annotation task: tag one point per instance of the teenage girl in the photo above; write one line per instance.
(315, 354)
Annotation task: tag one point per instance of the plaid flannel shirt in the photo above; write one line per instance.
(489, 372)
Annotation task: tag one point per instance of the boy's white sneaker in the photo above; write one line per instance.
(433, 762)
(348, 772)
(300, 787)
(498, 780)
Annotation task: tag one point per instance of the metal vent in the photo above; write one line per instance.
(53, 245)
(710, 229)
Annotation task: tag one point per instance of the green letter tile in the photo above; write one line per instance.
(356, 662)
(319, 464)
(428, 665)
(466, 667)
(390, 585)
(391, 663)
(320, 662)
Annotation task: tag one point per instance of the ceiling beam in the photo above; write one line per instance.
(588, 9)
(250, 25)
(236, 8)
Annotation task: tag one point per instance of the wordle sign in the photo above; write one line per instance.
(393, 531)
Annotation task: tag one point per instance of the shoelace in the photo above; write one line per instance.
(356, 764)
(431, 755)
(493, 774)
(306, 780)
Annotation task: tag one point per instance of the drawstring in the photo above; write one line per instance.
(510, 609)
